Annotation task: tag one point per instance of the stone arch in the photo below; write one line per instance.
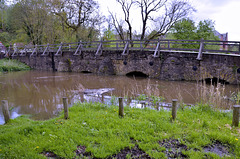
(172, 68)
(219, 73)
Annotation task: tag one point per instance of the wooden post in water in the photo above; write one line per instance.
(143, 104)
(5, 111)
(82, 97)
(235, 121)
(65, 106)
(174, 109)
(121, 108)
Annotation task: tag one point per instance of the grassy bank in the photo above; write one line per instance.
(95, 130)
(7, 65)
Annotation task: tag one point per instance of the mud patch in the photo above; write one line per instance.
(218, 148)
(50, 155)
(135, 153)
(81, 151)
(174, 148)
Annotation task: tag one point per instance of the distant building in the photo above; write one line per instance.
(222, 37)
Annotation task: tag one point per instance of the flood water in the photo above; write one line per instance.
(40, 94)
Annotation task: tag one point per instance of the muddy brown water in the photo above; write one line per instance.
(40, 93)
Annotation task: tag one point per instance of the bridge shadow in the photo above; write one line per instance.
(215, 81)
(136, 74)
(86, 72)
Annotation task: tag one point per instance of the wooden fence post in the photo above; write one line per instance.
(5, 111)
(121, 108)
(65, 105)
(102, 98)
(235, 121)
(174, 108)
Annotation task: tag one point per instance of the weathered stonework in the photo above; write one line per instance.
(168, 66)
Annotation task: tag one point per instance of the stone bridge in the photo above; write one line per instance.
(161, 59)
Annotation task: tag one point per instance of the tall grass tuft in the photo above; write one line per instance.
(149, 90)
(7, 65)
(213, 95)
(141, 92)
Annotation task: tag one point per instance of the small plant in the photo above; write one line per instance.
(142, 97)
(113, 100)
(183, 106)
(156, 99)
(7, 65)
(236, 97)
(69, 62)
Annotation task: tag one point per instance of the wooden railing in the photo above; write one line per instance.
(156, 46)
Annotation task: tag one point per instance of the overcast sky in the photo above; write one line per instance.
(225, 14)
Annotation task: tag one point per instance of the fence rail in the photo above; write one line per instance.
(156, 46)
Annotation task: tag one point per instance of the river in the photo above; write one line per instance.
(39, 93)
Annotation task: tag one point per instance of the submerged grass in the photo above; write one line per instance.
(7, 65)
(98, 128)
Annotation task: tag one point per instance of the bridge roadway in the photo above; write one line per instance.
(162, 59)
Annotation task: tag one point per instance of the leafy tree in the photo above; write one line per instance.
(77, 15)
(205, 30)
(50, 21)
(7, 25)
(31, 16)
(2, 9)
(186, 29)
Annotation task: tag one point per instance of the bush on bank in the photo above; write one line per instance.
(99, 128)
(7, 65)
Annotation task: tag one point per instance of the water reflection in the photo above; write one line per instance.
(40, 93)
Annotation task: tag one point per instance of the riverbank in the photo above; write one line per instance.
(96, 131)
(7, 65)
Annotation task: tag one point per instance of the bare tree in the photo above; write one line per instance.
(176, 11)
(147, 8)
(162, 13)
(126, 7)
(118, 26)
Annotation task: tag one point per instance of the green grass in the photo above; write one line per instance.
(104, 133)
(7, 65)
